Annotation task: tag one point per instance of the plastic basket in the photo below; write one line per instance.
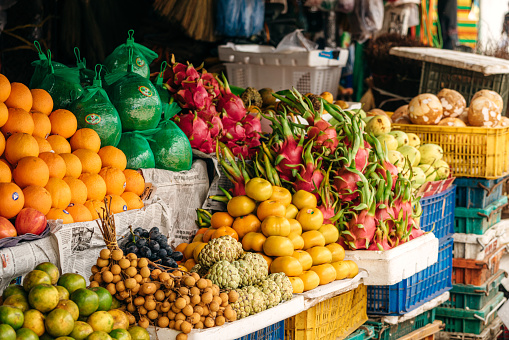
(473, 272)
(469, 151)
(470, 321)
(438, 213)
(304, 79)
(477, 247)
(364, 332)
(491, 332)
(474, 297)
(477, 221)
(335, 318)
(385, 331)
(272, 332)
(478, 192)
(418, 289)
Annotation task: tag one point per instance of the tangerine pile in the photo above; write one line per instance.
(49, 165)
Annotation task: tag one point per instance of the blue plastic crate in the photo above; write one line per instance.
(478, 192)
(272, 332)
(364, 332)
(416, 290)
(438, 213)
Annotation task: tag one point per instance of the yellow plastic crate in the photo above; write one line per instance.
(332, 319)
(469, 151)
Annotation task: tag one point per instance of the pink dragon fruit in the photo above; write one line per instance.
(195, 128)
(234, 168)
(231, 104)
(381, 239)
(328, 202)
(239, 148)
(310, 177)
(211, 84)
(208, 113)
(324, 135)
(179, 73)
(345, 183)
(233, 130)
(193, 95)
(215, 127)
(252, 125)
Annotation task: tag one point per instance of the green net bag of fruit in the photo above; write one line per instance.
(119, 58)
(162, 89)
(137, 150)
(170, 145)
(135, 98)
(41, 67)
(86, 76)
(95, 111)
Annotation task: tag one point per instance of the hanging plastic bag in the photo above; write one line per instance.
(137, 150)
(94, 110)
(170, 145)
(162, 90)
(135, 98)
(41, 67)
(86, 75)
(366, 19)
(63, 84)
(295, 41)
(119, 58)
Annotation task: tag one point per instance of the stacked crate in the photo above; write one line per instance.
(475, 296)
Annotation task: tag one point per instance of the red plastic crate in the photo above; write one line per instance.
(472, 272)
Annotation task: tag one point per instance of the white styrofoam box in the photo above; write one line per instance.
(477, 247)
(266, 55)
(394, 265)
(395, 319)
(239, 328)
(304, 78)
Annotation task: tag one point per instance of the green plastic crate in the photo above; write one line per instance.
(364, 332)
(385, 331)
(472, 321)
(474, 297)
(477, 221)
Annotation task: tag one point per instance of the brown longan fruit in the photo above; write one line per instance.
(115, 269)
(215, 290)
(180, 316)
(181, 336)
(202, 319)
(172, 297)
(175, 309)
(155, 273)
(136, 289)
(132, 256)
(130, 283)
(206, 311)
(171, 315)
(208, 290)
(194, 291)
(183, 291)
(142, 310)
(186, 327)
(177, 324)
(152, 315)
(116, 278)
(198, 310)
(159, 295)
(209, 322)
(143, 262)
(94, 269)
(123, 295)
(223, 297)
(199, 325)
(165, 307)
(214, 306)
(233, 296)
(188, 310)
(105, 269)
(229, 313)
(163, 322)
(207, 298)
(134, 263)
(188, 299)
(217, 300)
(143, 322)
(94, 284)
(105, 254)
(164, 276)
(172, 324)
(144, 272)
(158, 307)
(102, 263)
(195, 276)
(117, 254)
(107, 276)
(189, 281)
(120, 286)
(131, 318)
(139, 301)
(131, 307)
(138, 278)
(201, 283)
(131, 271)
(177, 273)
(180, 303)
(124, 263)
(220, 320)
(148, 288)
(195, 299)
(194, 318)
(149, 305)
(209, 283)
(111, 288)
(213, 315)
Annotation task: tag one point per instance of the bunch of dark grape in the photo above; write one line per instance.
(153, 245)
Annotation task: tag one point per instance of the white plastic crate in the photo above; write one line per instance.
(394, 265)
(478, 247)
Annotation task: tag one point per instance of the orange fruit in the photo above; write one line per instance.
(20, 145)
(86, 139)
(2, 144)
(11, 200)
(38, 198)
(78, 190)
(115, 180)
(132, 200)
(116, 204)
(31, 171)
(63, 123)
(111, 156)
(4, 113)
(79, 212)
(96, 187)
(5, 172)
(72, 165)
(5, 88)
(42, 101)
(59, 144)
(42, 125)
(60, 214)
(60, 193)
(44, 145)
(95, 208)
(20, 97)
(134, 181)
(90, 161)
(56, 164)
(18, 120)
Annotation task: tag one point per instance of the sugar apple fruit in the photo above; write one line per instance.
(260, 266)
(242, 306)
(225, 275)
(222, 248)
(271, 291)
(246, 272)
(284, 284)
(200, 270)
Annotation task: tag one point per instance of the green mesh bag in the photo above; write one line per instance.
(137, 150)
(86, 75)
(135, 98)
(170, 145)
(161, 88)
(95, 111)
(63, 84)
(41, 67)
(119, 58)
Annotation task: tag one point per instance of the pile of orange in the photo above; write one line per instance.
(46, 163)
